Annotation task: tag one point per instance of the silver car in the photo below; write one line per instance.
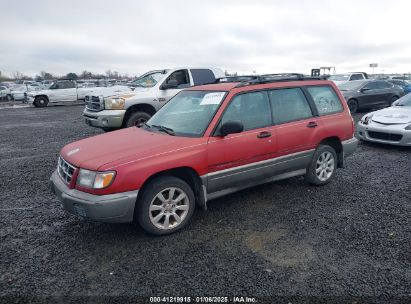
(389, 126)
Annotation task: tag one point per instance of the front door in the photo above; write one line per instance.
(238, 159)
(183, 81)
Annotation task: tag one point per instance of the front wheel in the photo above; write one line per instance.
(137, 119)
(9, 97)
(41, 102)
(166, 205)
(322, 167)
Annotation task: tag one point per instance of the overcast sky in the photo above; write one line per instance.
(266, 36)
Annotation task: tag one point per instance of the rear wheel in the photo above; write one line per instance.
(166, 205)
(41, 102)
(322, 167)
(137, 119)
(393, 99)
(353, 105)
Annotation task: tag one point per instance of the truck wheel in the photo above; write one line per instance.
(9, 97)
(166, 205)
(41, 102)
(137, 119)
(322, 167)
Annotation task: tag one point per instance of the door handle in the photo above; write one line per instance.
(312, 124)
(264, 135)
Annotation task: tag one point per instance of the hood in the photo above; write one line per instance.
(131, 143)
(393, 115)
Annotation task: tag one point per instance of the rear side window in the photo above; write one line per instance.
(325, 100)
(289, 105)
(202, 76)
(384, 84)
(251, 109)
(357, 77)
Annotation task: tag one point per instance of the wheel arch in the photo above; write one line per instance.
(143, 107)
(187, 174)
(335, 143)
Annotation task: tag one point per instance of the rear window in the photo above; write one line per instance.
(325, 99)
(202, 76)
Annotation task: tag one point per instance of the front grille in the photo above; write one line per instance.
(385, 136)
(94, 103)
(65, 170)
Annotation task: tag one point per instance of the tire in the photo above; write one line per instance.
(322, 167)
(41, 102)
(109, 129)
(392, 100)
(154, 207)
(9, 97)
(137, 119)
(353, 105)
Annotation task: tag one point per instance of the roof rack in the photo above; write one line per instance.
(268, 78)
(235, 78)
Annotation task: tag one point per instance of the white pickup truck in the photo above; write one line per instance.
(67, 90)
(151, 91)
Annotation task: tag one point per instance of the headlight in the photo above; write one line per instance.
(408, 127)
(366, 119)
(95, 180)
(114, 103)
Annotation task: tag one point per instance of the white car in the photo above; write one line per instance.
(5, 93)
(389, 126)
(67, 91)
(341, 78)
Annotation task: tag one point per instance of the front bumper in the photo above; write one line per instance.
(349, 146)
(362, 133)
(112, 208)
(105, 118)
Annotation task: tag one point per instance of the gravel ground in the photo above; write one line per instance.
(346, 242)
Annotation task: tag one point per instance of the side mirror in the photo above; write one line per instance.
(363, 90)
(171, 84)
(231, 127)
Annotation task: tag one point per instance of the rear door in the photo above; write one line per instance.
(296, 126)
(239, 159)
(386, 91)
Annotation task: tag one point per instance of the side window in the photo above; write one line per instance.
(289, 105)
(252, 109)
(383, 85)
(70, 84)
(371, 86)
(182, 79)
(202, 76)
(325, 99)
(357, 77)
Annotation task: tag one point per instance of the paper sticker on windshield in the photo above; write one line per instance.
(212, 98)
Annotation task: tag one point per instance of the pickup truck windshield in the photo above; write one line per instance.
(148, 81)
(187, 114)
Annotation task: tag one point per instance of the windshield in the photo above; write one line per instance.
(187, 114)
(149, 80)
(351, 85)
(404, 101)
(341, 77)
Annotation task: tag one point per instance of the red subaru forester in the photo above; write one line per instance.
(206, 142)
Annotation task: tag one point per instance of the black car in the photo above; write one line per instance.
(362, 94)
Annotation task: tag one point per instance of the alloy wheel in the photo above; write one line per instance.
(325, 166)
(169, 208)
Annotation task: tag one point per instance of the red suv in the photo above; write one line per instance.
(206, 142)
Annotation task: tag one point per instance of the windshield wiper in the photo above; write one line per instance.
(169, 131)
